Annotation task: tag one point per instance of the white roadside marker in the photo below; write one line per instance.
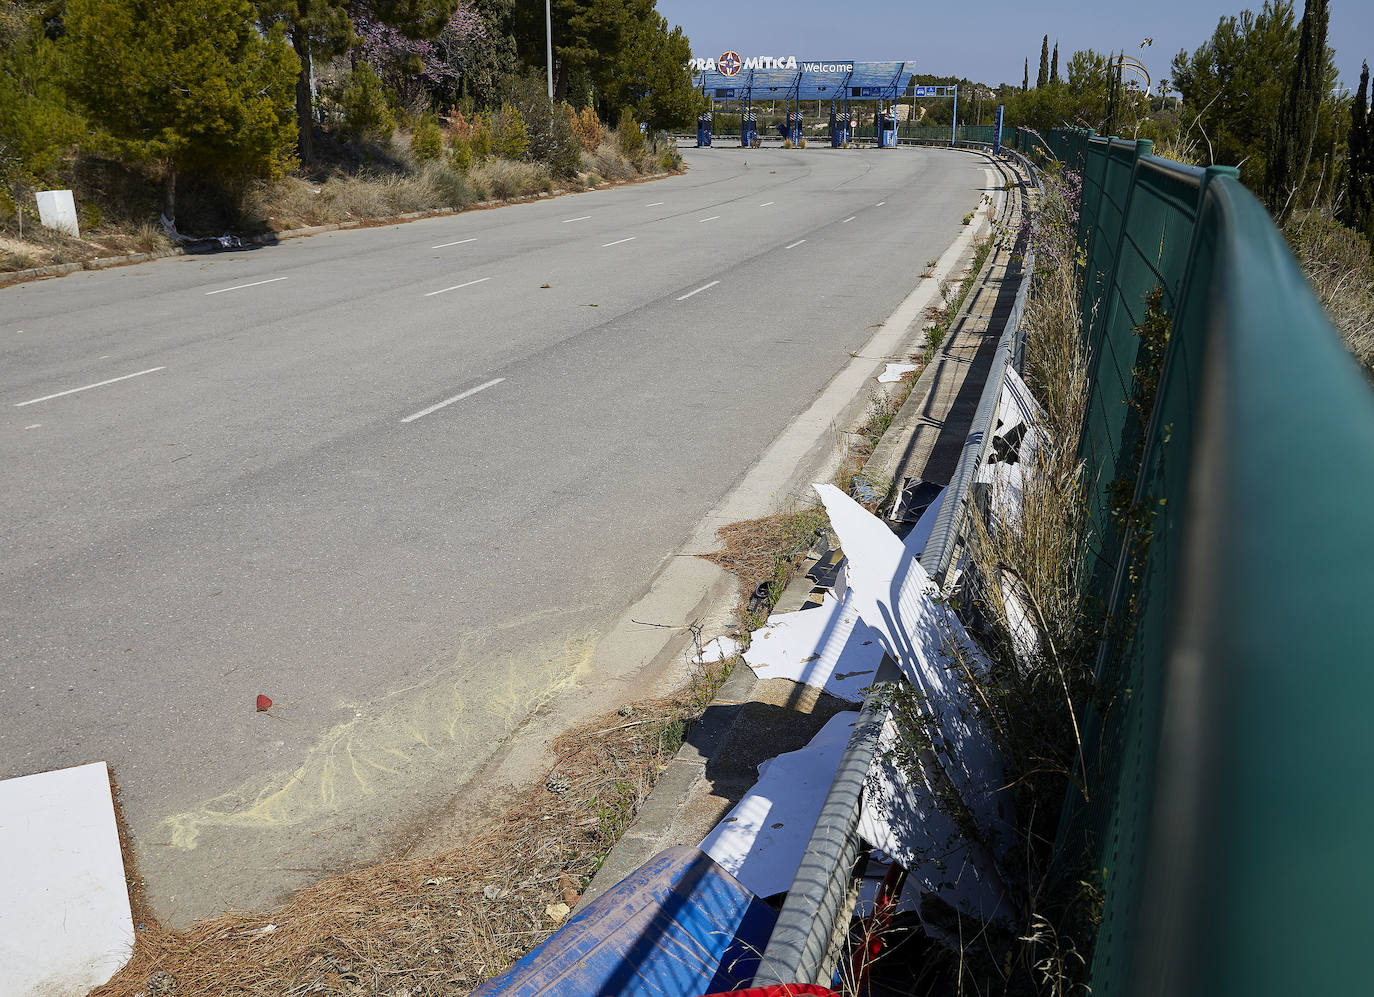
(704, 287)
(88, 387)
(456, 287)
(240, 287)
(456, 398)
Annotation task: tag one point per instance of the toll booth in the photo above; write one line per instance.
(794, 127)
(839, 128)
(748, 129)
(704, 130)
(886, 123)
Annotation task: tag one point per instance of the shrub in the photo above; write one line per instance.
(479, 137)
(366, 113)
(461, 158)
(450, 187)
(1337, 262)
(506, 179)
(629, 137)
(510, 139)
(587, 127)
(427, 141)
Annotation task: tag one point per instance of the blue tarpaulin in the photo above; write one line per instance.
(679, 926)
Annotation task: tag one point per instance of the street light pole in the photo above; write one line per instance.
(548, 39)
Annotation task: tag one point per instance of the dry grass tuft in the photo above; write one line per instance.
(439, 925)
(767, 551)
(505, 179)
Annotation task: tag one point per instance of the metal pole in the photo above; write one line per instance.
(955, 124)
(548, 39)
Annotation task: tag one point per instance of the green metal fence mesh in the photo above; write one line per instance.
(1231, 811)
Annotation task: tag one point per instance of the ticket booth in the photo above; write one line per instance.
(748, 129)
(886, 122)
(839, 128)
(704, 130)
(794, 127)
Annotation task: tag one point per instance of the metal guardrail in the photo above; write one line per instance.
(800, 944)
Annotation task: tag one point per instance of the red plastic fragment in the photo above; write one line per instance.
(264, 703)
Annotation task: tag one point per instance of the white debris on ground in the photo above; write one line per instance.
(761, 841)
(894, 595)
(65, 923)
(827, 647)
(893, 372)
(718, 650)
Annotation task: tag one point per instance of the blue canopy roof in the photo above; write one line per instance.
(811, 81)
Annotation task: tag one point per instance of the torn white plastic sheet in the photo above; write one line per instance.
(717, 650)
(65, 925)
(916, 540)
(761, 841)
(827, 647)
(1020, 420)
(900, 819)
(1006, 484)
(893, 372)
(895, 596)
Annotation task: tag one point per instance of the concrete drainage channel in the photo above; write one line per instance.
(752, 720)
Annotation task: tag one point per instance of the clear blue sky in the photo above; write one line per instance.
(985, 41)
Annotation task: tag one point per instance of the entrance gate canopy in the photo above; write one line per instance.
(822, 80)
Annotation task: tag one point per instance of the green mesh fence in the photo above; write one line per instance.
(1230, 809)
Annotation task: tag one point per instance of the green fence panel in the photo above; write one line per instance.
(1230, 813)
(1151, 253)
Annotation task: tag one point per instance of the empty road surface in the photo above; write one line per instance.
(399, 480)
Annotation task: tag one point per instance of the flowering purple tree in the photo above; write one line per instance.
(415, 67)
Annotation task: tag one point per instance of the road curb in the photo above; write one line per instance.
(11, 277)
(662, 810)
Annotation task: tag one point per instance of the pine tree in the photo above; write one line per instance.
(1025, 80)
(187, 84)
(1357, 210)
(1297, 121)
(1044, 76)
(1054, 64)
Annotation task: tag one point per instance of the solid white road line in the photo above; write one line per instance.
(607, 245)
(456, 398)
(795, 244)
(704, 287)
(240, 287)
(711, 219)
(455, 287)
(766, 203)
(655, 204)
(849, 219)
(879, 204)
(88, 387)
(583, 218)
(445, 245)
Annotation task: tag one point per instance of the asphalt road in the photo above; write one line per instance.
(394, 482)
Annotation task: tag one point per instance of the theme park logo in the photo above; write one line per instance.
(730, 63)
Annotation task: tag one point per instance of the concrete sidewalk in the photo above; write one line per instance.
(751, 720)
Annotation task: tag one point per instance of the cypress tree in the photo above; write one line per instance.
(1357, 211)
(1054, 64)
(1044, 76)
(1025, 80)
(1297, 121)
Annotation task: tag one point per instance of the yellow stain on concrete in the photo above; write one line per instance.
(376, 755)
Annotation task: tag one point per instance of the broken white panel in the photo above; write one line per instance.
(893, 372)
(895, 596)
(1025, 635)
(827, 647)
(65, 924)
(899, 817)
(57, 210)
(718, 650)
(1006, 485)
(1020, 415)
(761, 841)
